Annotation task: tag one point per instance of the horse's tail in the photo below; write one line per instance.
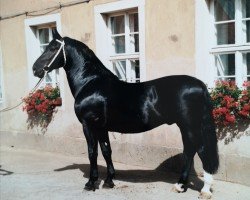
(209, 152)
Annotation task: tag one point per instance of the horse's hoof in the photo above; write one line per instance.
(178, 188)
(108, 184)
(90, 185)
(205, 195)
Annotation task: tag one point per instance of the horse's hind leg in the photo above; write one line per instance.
(208, 178)
(93, 153)
(106, 152)
(188, 155)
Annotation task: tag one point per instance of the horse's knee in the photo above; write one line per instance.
(92, 154)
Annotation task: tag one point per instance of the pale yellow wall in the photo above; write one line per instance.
(169, 50)
(170, 32)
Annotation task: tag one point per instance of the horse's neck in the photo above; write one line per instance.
(79, 70)
(77, 77)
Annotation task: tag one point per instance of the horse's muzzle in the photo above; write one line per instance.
(38, 73)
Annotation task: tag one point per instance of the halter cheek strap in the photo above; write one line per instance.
(47, 67)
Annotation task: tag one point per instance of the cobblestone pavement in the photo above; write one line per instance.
(26, 174)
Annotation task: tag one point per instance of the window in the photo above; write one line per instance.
(124, 45)
(44, 36)
(120, 38)
(38, 33)
(231, 49)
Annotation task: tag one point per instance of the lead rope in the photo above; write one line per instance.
(46, 69)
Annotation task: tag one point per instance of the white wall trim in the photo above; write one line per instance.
(33, 52)
(118, 6)
(203, 43)
(101, 27)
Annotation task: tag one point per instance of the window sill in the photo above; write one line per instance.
(230, 48)
(124, 56)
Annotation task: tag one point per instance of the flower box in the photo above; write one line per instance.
(40, 106)
(231, 104)
(57, 102)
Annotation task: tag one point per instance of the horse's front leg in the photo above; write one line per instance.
(106, 152)
(91, 137)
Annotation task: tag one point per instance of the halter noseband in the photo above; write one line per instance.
(47, 67)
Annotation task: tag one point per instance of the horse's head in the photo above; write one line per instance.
(52, 58)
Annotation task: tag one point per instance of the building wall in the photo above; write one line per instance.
(169, 50)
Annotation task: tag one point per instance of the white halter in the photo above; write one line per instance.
(47, 67)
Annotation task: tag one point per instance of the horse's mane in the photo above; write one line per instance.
(90, 57)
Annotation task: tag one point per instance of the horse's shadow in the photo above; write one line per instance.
(165, 172)
(4, 172)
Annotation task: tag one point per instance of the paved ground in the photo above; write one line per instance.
(33, 175)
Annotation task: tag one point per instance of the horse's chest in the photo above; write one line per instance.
(92, 109)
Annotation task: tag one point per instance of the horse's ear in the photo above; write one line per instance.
(55, 34)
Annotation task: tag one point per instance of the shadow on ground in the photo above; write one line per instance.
(4, 172)
(163, 173)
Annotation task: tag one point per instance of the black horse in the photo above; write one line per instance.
(104, 103)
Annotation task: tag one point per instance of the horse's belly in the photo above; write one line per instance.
(132, 125)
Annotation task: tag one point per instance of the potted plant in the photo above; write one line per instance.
(231, 108)
(40, 106)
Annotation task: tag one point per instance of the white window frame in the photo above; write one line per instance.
(33, 46)
(102, 32)
(206, 45)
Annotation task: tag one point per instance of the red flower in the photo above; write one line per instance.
(42, 98)
(246, 84)
(230, 118)
(246, 107)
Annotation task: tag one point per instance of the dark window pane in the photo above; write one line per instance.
(245, 8)
(224, 10)
(43, 35)
(248, 63)
(133, 22)
(248, 30)
(119, 44)
(119, 68)
(225, 33)
(134, 43)
(135, 70)
(118, 24)
(225, 65)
